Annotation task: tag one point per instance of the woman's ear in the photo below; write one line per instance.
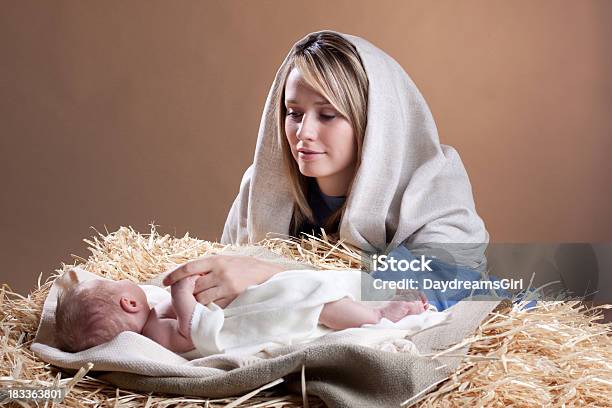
(130, 304)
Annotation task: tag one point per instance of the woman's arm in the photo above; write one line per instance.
(224, 277)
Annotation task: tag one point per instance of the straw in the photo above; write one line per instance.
(556, 354)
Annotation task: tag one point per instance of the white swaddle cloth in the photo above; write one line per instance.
(285, 311)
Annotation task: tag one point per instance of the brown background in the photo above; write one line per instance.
(123, 113)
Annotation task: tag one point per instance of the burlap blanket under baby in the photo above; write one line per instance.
(342, 368)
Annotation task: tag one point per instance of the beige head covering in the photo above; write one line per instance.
(408, 187)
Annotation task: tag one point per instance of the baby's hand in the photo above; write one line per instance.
(185, 285)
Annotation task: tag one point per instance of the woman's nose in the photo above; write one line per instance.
(307, 129)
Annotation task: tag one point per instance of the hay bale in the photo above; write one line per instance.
(555, 354)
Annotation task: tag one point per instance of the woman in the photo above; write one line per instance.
(347, 143)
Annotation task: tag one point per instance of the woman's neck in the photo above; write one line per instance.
(337, 184)
(331, 190)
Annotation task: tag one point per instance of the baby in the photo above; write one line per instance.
(93, 312)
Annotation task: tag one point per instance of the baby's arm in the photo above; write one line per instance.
(165, 332)
(184, 303)
(169, 323)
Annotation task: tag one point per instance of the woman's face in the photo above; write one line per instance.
(322, 142)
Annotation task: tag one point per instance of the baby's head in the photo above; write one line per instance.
(93, 312)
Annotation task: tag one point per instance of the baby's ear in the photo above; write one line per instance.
(130, 305)
(68, 280)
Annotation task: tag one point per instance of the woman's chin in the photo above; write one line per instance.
(309, 171)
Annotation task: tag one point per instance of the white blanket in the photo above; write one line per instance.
(284, 311)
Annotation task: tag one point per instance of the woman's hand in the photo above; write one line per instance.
(224, 277)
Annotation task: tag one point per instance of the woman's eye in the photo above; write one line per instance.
(298, 115)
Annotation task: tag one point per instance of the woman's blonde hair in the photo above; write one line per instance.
(331, 66)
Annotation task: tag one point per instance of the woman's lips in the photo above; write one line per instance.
(306, 156)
